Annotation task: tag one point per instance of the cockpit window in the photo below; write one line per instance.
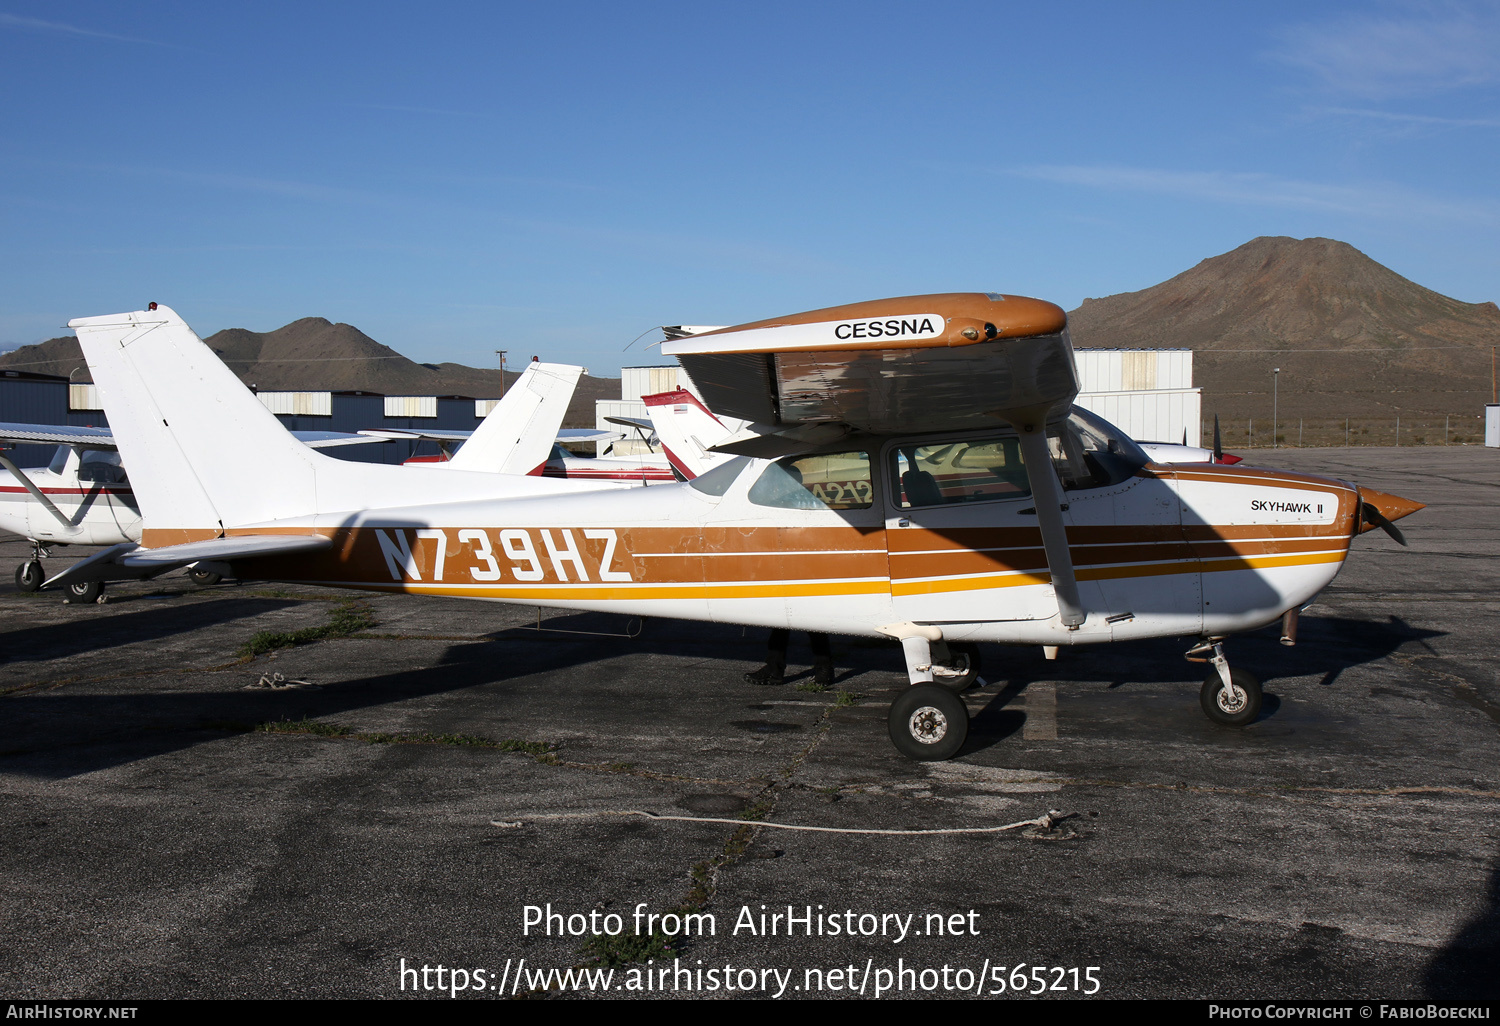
(101, 467)
(718, 480)
(835, 480)
(947, 473)
(1090, 452)
(60, 459)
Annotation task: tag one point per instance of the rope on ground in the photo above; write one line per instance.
(1044, 822)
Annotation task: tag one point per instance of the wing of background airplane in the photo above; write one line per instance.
(57, 434)
(104, 439)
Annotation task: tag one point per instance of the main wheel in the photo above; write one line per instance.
(965, 658)
(81, 592)
(1237, 708)
(29, 575)
(929, 723)
(204, 578)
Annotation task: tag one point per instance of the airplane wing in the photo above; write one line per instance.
(57, 434)
(419, 434)
(895, 366)
(327, 439)
(128, 561)
(416, 434)
(103, 438)
(583, 435)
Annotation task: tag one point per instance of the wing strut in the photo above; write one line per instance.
(36, 493)
(1047, 491)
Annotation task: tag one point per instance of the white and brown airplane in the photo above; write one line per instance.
(973, 502)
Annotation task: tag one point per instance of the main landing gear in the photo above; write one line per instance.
(929, 721)
(1229, 697)
(30, 575)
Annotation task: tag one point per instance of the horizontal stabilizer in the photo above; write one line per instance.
(129, 562)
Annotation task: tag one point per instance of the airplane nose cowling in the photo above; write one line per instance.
(1379, 509)
(1392, 507)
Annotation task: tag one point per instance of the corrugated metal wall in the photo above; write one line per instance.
(1121, 370)
(47, 400)
(1159, 415)
(301, 404)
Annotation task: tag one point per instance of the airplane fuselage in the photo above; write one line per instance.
(98, 512)
(1169, 551)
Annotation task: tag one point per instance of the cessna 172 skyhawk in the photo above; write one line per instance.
(1051, 528)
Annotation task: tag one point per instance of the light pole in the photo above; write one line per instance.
(501, 353)
(1275, 397)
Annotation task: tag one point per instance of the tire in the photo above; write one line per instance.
(929, 723)
(1226, 713)
(29, 575)
(966, 658)
(204, 578)
(83, 592)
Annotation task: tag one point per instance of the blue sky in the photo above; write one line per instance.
(557, 178)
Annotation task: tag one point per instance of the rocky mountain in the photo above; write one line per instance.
(314, 354)
(1352, 337)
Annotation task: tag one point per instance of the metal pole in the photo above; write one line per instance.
(1299, 432)
(1275, 396)
(1398, 429)
(501, 353)
(1346, 432)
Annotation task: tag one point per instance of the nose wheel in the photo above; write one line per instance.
(1229, 697)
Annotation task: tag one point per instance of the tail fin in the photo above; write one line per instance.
(202, 452)
(519, 433)
(204, 456)
(687, 430)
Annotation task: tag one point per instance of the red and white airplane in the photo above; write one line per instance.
(1053, 529)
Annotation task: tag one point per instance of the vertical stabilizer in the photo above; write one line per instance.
(202, 452)
(518, 434)
(688, 430)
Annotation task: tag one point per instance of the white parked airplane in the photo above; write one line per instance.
(1055, 529)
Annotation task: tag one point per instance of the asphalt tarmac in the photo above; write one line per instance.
(168, 829)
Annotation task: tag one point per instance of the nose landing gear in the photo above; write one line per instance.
(1228, 697)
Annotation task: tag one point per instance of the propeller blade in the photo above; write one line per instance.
(1372, 515)
(1218, 446)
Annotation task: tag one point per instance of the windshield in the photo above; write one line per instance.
(837, 480)
(718, 480)
(1090, 452)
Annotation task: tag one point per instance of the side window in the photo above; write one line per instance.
(839, 480)
(949, 473)
(101, 467)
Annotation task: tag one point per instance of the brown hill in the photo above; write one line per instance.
(314, 354)
(1352, 337)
